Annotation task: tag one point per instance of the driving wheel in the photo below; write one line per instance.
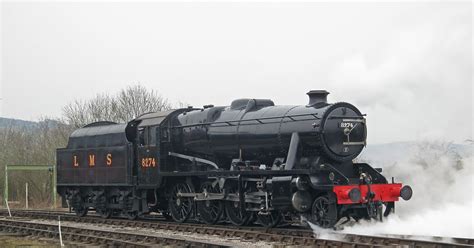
(210, 211)
(270, 218)
(180, 207)
(233, 210)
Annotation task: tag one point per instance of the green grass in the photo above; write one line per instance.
(30, 242)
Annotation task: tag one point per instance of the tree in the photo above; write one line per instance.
(128, 104)
(137, 100)
(33, 144)
(430, 153)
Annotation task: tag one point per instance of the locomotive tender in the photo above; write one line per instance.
(250, 161)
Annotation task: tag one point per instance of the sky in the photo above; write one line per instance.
(408, 66)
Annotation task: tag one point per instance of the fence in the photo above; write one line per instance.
(51, 171)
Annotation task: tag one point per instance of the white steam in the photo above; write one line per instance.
(441, 175)
(442, 203)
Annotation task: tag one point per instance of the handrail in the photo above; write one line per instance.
(230, 123)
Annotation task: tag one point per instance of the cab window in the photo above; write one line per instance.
(152, 135)
(142, 136)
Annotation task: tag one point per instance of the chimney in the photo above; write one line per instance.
(317, 96)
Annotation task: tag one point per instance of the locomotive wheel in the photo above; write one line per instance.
(252, 218)
(210, 211)
(389, 208)
(104, 213)
(79, 207)
(324, 213)
(270, 219)
(101, 207)
(181, 207)
(81, 211)
(232, 209)
(131, 215)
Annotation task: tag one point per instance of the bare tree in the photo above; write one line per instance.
(129, 103)
(137, 100)
(430, 153)
(35, 144)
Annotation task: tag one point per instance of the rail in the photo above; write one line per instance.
(280, 236)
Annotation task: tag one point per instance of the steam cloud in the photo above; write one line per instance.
(442, 204)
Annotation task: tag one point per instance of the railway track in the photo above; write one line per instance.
(89, 236)
(279, 236)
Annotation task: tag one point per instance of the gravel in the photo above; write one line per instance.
(215, 239)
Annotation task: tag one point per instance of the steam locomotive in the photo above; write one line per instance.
(248, 162)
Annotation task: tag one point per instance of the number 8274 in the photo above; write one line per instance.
(148, 162)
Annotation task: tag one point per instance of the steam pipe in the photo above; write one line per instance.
(291, 157)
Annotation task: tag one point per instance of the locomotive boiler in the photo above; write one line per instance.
(256, 129)
(251, 161)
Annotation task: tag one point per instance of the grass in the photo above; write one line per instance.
(7, 241)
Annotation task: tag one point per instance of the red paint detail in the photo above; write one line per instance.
(383, 192)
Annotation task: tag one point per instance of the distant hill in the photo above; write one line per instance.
(16, 123)
(6, 122)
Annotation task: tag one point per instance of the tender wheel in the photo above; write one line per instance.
(232, 209)
(324, 212)
(101, 207)
(269, 219)
(181, 207)
(78, 206)
(210, 211)
(81, 211)
(104, 213)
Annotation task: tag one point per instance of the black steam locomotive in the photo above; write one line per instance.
(248, 162)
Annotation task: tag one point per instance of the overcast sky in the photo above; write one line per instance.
(408, 66)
